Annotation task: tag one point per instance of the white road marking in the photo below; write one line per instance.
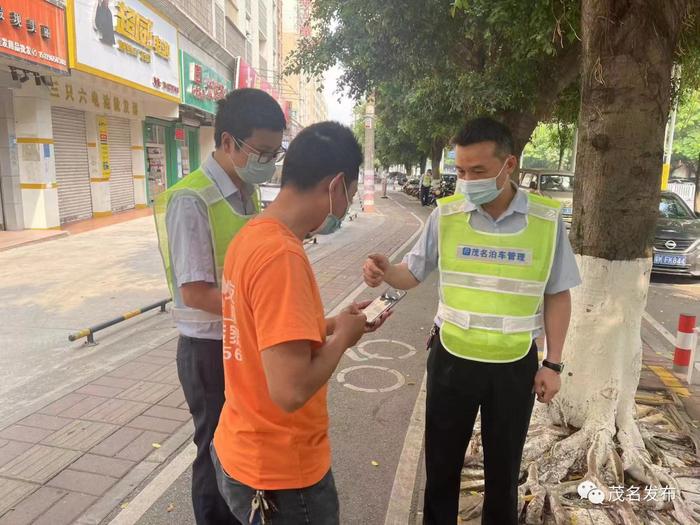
(400, 379)
(659, 328)
(369, 355)
(155, 489)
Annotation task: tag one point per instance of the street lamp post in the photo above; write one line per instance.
(368, 197)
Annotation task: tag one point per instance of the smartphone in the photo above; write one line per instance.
(381, 304)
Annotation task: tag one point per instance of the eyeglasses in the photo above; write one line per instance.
(264, 157)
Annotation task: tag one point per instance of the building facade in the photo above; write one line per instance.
(106, 103)
(303, 97)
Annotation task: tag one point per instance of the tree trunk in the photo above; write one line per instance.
(408, 169)
(628, 50)
(436, 149)
(423, 162)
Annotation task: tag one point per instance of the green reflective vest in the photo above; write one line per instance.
(427, 180)
(224, 223)
(492, 285)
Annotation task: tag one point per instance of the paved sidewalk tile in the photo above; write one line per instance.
(82, 407)
(113, 467)
(45, 421)
(83, 482)
(147, 392)
(66, 510)
(100, 390)
(24, 433)
(155, 424)
(9, 450)
(176, 399)
(32, 507)
(176, 414)
(12, 491)
(39, 464)
(135, 371)
(116, 382)
(142, 446)
(117, 442)
(117, 411)
(80, 435)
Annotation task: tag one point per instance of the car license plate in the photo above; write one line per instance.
(669, 260)
(566, 211)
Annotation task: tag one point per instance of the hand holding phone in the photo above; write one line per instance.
(382, 304)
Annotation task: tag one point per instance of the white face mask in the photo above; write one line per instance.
(482, 191)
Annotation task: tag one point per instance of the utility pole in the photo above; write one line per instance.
(368, 197)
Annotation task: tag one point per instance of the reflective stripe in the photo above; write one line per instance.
(543, 212)
(492, 283)
(507, 325)
(451, 208)
(191, 315)
(686, 341)
(210, 194)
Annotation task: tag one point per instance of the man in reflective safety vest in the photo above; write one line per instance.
(196, 219)
(506, 267)
(426, 183)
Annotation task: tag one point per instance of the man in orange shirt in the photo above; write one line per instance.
(271, 451)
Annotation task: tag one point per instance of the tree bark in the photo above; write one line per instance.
(436, 149)
(628, 51)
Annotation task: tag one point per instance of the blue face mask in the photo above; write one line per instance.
(254, 171)
(482, 191)
(331, 223)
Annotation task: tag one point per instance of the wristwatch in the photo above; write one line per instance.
(557, 367)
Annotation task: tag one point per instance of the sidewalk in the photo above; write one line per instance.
(15, 239)
(80, 457)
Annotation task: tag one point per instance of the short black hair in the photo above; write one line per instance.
(319, 151)
(486, 129)
(244, 110)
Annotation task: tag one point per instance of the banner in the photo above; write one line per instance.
(202, 87)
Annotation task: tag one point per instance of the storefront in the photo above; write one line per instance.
(172, 152)
(32, 50)
(130, 62)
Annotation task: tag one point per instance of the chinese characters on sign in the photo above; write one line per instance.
(83, 97)
(19, 22)
(139, 29)
(202, 87)
(516, 256)
(104, 147)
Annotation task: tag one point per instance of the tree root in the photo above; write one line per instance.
(616, 458)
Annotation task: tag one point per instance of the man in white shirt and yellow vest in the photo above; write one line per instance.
(196, 219)
(506, 267)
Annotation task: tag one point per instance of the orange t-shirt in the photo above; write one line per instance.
(270, 297)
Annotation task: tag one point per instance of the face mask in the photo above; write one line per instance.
(480, 191)
(255, 172)
(331, 224)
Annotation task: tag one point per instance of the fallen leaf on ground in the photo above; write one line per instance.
(170, 508)
(156, 445)
(375, 463)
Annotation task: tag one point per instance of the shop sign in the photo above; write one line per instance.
(249, 78)
(125, 41)
(202, 87)
(34, 31)
(104, 147)
(180, 134)
(71, 93)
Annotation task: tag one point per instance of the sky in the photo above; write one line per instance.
(340, 110)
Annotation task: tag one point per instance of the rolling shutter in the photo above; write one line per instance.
(121, 182)
(72, 169)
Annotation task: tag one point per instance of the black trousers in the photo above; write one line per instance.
(456, 389)
(200, 368)
(424, 194)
